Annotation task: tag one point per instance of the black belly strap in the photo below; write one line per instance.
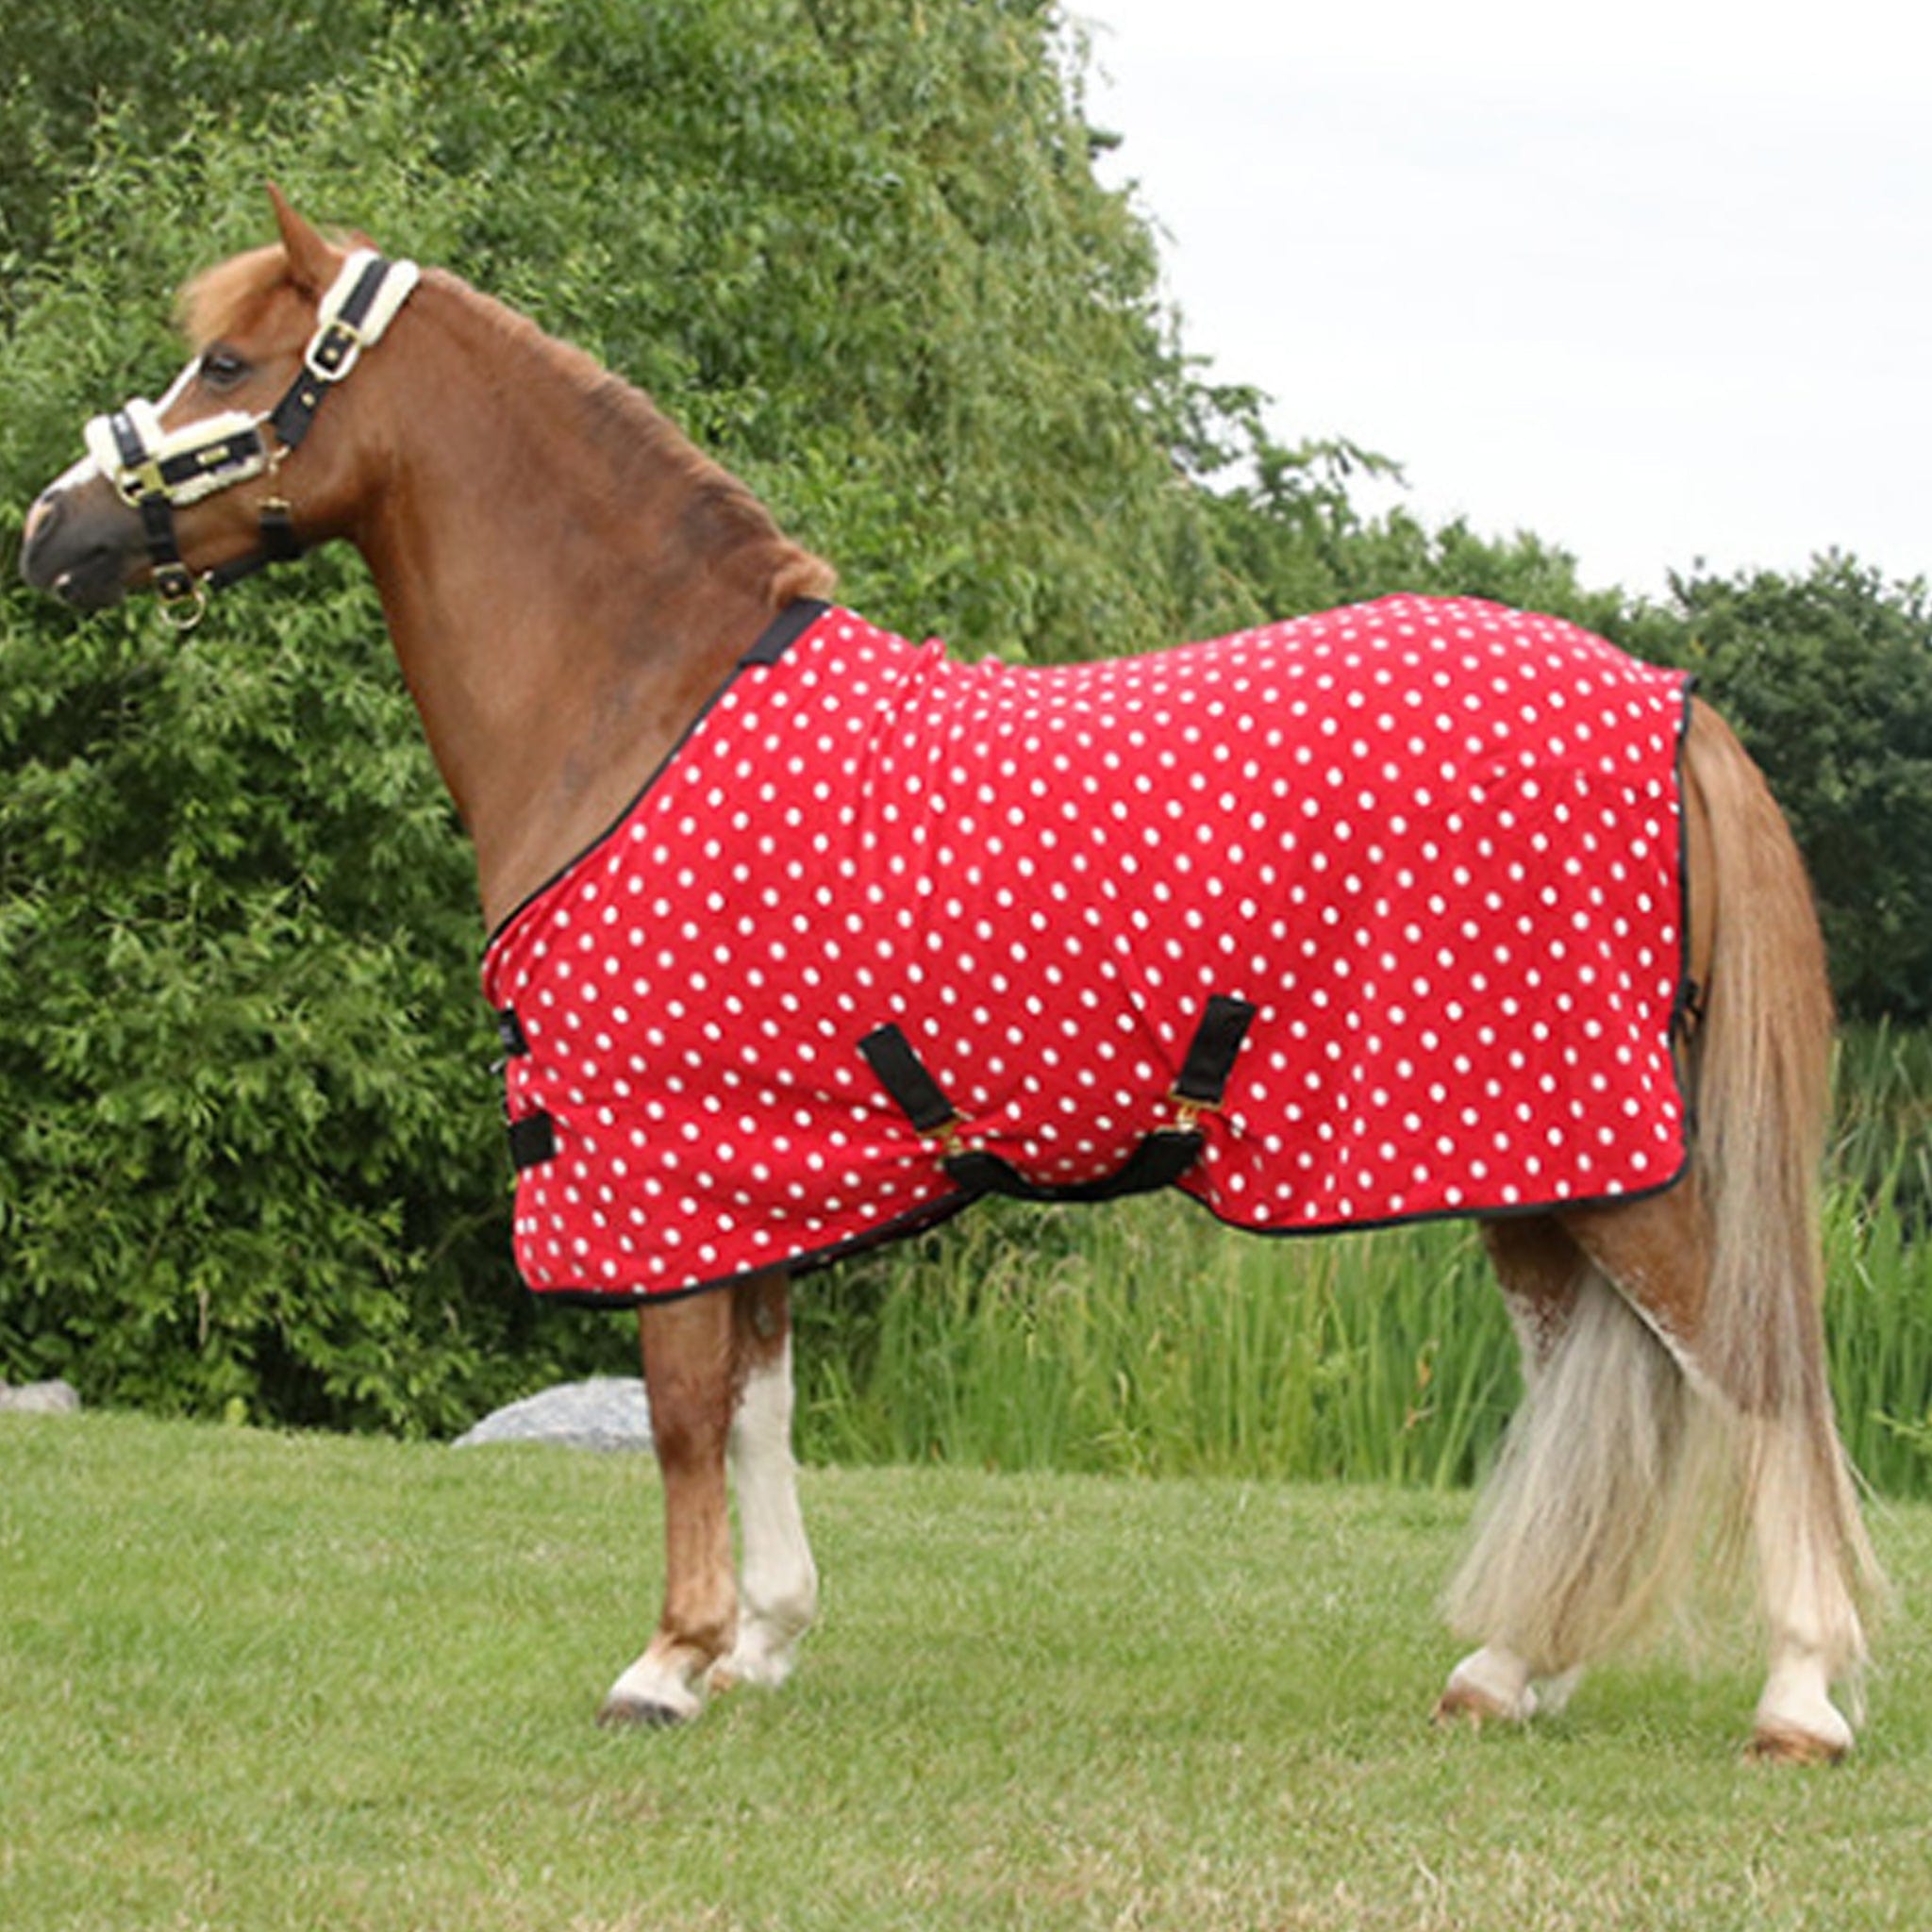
(1161, 1158)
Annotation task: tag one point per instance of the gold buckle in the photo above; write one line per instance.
(336, 350)
(140, 480)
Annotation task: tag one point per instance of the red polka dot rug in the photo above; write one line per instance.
(1360, 918)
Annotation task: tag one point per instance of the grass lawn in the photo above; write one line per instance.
(265, 1682)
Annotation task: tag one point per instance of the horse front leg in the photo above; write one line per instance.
(778, 1581)
(689, 1377)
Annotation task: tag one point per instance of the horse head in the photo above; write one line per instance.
(199, 489)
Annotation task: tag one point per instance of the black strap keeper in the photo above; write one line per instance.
(509, 1029)
(532, 1141)
(903, 1075)
(279, 542)
(1211, 1052)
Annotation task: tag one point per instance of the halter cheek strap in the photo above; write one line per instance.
(158, 470)
(360, 303)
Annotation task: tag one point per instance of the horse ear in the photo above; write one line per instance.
(311, 261)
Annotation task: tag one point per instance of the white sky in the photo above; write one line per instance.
(1653, 280)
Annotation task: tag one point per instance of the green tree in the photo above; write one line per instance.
(1287, 530)
(1829, 680)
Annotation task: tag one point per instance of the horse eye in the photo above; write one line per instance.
(222, 368)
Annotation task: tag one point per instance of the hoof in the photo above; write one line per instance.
(1462, 1704)
(1487, 1686)
(639, 1714)
(1797, 1721)
(1781, 1744)
(651, 1695)
(751, 1663)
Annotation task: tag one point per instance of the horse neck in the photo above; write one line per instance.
(566, 581)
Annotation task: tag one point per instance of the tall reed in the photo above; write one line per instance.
(1142, 1338)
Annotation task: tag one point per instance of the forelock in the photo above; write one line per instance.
(231, 297)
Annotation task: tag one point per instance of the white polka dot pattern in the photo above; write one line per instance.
(1436, 842)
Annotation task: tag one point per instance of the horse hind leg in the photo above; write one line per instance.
(1762, 1472)
(1534, 1589)
(1661, 1429)
(1687, 1406)
(1802, 1504)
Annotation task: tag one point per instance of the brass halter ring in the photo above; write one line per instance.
(184, 606)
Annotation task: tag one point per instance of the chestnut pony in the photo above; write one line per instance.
(568, 582)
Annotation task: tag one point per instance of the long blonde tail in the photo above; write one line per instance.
(1762, 1080)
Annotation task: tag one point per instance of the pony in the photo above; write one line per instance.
(574, 590)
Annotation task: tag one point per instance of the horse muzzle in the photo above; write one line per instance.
(82, 543)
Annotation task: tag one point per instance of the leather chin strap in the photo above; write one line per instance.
(158, 470)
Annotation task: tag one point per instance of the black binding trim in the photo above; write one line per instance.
(532, 1141)
(785, 630)
(1159, 1158)
(509, 1029)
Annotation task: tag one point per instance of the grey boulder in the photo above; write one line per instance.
(606, 1412)
(40, 1398)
